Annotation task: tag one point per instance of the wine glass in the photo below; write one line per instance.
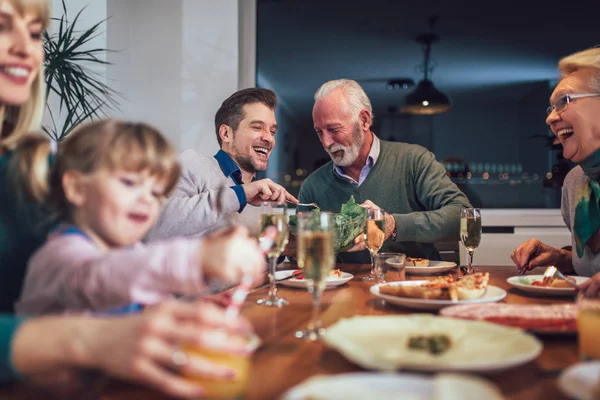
(385, 259)
(316, 256)
(274, 214)
(374, 235)
(470, 233)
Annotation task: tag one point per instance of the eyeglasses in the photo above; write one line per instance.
(561, 103)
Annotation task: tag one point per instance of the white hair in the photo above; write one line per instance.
(589, 58)
(356, 96)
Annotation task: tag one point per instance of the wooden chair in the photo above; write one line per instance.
(449, 251)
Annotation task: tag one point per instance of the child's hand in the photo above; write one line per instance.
(221, 299)
(230, 254)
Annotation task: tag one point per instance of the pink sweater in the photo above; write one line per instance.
(70, 273)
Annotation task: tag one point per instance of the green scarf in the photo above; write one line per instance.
(587, 210)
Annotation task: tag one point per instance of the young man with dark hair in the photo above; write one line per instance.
(245, 126)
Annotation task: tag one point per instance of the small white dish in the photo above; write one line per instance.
(492, 294)
(383, 386)
(523, 282)
(434, 267)
(581, 381)
(303, 283)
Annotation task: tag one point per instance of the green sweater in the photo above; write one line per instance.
(21, 233)
(407, 182)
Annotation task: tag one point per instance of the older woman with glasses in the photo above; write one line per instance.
(574, 117)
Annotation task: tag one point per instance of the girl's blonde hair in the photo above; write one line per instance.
(589, 58)
(18, 120)
(95, 146)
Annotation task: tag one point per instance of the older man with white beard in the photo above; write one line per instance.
(422, 204)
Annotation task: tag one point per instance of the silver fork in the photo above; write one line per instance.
(315, 205)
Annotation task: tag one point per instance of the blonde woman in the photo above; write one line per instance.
(21, 107)
(573, 116)
(140, 347)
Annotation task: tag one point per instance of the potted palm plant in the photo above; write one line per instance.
(69, 61)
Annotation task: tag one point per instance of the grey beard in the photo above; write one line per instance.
(350, 152)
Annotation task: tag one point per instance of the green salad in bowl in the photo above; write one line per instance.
(349, 223)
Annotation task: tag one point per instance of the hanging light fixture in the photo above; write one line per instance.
(426, 99)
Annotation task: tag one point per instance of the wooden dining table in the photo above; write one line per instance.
(283, 361)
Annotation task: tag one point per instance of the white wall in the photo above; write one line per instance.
(147, 64)
(178, 61)
(175, 60)
(209, 68)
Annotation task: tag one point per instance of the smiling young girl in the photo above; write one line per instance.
(106, 185)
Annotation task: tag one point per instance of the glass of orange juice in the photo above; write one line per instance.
(224, 388)
(588, 326)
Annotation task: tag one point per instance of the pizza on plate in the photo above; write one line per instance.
(416, 262)
(336, 273)
(556, 283)
(442, 288)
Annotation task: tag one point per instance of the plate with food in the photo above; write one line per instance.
(539, 318)
(369, 385)
(423, 342)
(296, 279)
(439, 292)
(422, 266)
(581, 381)
(535, 284)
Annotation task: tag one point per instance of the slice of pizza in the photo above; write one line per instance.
(435, 289)
(417, 262)
(471, 287)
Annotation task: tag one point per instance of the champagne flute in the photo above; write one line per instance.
(316, 256)
(274, 214)
(374, 235)
(470, 233)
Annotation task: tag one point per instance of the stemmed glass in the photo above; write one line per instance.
(374, 235)
(274, 214)
(316, 256)
(470, 233)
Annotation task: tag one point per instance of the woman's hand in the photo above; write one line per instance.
(591, 287)
(144, 348)
(230, 254)
(534, 253)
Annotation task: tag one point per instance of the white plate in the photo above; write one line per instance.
(303, 283)
(491, 295)
(365, 385)
(380, 343)
(579, 380)
(434, 267)
(523, 282)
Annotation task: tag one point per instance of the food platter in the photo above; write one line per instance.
(538, 318)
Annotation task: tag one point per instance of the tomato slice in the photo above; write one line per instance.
(298, 274)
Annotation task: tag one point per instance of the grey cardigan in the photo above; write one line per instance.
(190, 210)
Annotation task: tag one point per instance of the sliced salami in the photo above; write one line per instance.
(542, 318)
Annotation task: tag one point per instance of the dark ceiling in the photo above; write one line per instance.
(488, 50)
